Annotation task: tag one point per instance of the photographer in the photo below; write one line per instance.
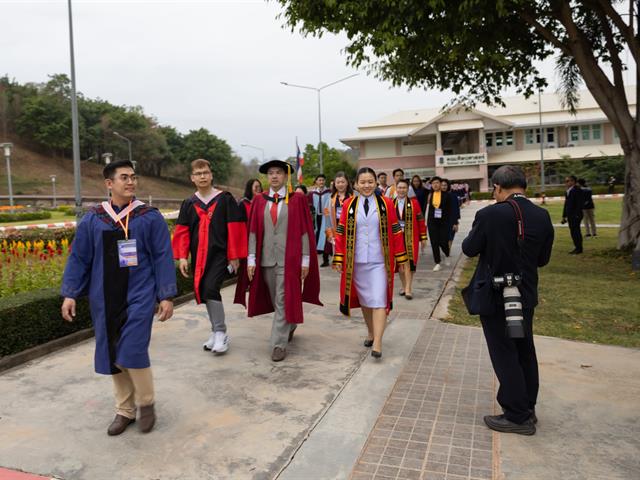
(513, 237)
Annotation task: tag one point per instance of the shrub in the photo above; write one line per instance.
(20, 216)
(36, 234)
(33, 318)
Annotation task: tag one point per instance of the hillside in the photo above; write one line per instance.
(30, 173)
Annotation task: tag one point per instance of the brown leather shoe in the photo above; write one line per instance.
(119, 425)
(146, 418)
(278, 354)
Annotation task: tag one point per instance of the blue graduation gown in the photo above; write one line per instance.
(122, 300)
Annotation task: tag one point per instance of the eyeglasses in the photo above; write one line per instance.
(128, 178)
(201, 174)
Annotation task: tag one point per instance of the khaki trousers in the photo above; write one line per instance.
(132, 387)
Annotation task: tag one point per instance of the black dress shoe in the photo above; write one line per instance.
(376, 354)
(291, 332)
(402, 294)
(499, 423)
(324, 264)
(575, 252)
(368, 343)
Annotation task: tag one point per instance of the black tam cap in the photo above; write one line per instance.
(264, 168)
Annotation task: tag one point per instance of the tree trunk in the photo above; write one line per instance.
(629, 235)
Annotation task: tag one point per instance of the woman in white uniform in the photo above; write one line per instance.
(368, 245)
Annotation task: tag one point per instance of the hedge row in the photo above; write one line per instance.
(34, 234)
(20, 216)
(551, 192)
(33, 318)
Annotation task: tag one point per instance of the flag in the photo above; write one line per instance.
(299, 162)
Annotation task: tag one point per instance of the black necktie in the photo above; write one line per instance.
(366, 207)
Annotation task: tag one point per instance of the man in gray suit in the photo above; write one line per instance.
(280, 239)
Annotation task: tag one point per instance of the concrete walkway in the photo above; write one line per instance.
(329, 411)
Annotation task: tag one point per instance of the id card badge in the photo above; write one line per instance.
(127, 253)
(338, 213)
(401, 222)
(437, 213)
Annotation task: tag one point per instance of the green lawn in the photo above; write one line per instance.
(608, 210)
(593, 297)
(55, 218)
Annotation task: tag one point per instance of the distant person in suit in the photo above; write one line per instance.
(612, 184)
(495, 236)
(572, 212)
(588, 208)
(382, 183)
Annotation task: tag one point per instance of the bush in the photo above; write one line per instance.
(33, 318)
(20, 216)
(45, 234)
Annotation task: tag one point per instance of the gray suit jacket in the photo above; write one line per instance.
(275, 239)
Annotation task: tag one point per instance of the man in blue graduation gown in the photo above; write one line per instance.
(121, 257)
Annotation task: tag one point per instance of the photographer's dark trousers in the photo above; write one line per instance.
(439, 238)
(576, 233)
(515, 364)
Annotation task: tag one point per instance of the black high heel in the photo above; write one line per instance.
(368, 343)
(376, 354)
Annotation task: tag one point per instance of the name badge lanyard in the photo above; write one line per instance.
(118, 218)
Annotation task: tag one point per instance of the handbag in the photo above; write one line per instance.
(478, 296)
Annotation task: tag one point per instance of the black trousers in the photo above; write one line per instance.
(576, 232)
(515, 364)
(439, 238)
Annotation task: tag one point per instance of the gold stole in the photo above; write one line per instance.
(350, 237)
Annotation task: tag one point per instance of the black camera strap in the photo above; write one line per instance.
(519, 226)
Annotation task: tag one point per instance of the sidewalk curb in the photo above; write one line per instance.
(34, 353)
(441, 310)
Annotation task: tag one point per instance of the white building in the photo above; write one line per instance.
(467, 145)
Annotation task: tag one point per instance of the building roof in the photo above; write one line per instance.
(517, 112)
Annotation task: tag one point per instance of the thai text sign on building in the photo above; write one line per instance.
(462, 160)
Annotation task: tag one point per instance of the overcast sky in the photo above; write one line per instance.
(212, 64)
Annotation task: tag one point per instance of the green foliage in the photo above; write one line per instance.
(203, 144)
(41, 115)
(333, 159)
(35, 234)
(20, 216)
(33, 318)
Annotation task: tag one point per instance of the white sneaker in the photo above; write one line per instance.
(437, 268)
(447, 263)
(208, 345)
(221, 344)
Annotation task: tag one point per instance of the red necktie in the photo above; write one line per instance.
(274, 209)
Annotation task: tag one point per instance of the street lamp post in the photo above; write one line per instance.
(53, 187)
(75, 133)
(318, 90)
(6, 147)
(126, 140)
(542, 186)
(257, 148)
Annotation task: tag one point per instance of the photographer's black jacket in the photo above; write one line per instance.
(494, 237)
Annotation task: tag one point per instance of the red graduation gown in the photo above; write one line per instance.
(295, 292)
(415, 230)
(393, 247)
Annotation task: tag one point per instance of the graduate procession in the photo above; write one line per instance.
(270, 241)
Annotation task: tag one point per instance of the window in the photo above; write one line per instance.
(595, 132)
(586, 132)
(551, 134)
(499, 139)
(528, 136)
(509, 139)
(488, 139)
(574, 134)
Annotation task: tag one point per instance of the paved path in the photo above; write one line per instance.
(329, 411)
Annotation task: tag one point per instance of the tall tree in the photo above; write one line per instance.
(479, 48)
(203, 144)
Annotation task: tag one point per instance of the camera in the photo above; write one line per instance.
(512, 303)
